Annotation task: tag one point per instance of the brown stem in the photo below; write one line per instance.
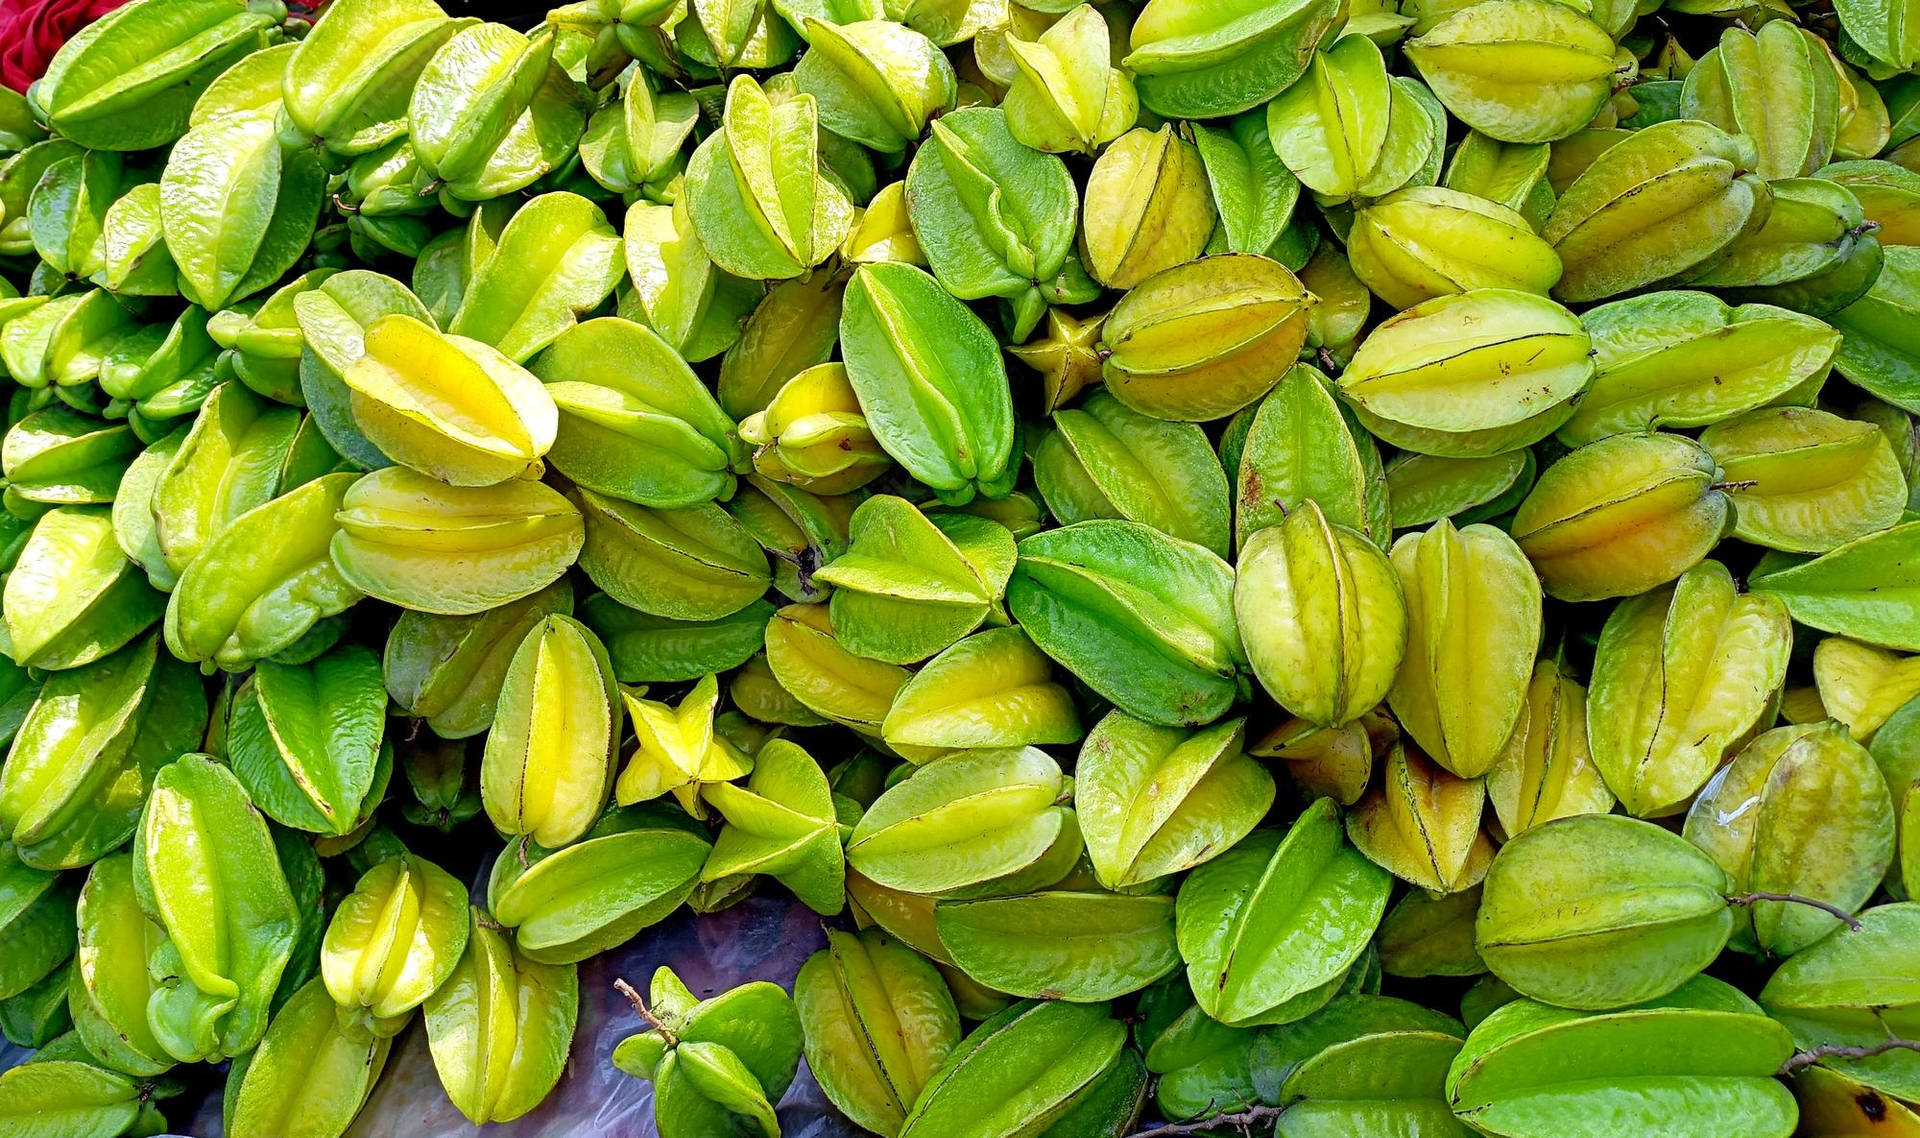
(1243, 1121)
(1796, 899)
(1813, 1055)
(1327, 361)
(646, 1013)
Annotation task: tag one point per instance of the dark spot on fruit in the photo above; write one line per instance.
(1871, 1105)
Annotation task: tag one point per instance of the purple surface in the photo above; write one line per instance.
(762, 938)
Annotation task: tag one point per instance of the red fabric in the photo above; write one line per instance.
(32, 30)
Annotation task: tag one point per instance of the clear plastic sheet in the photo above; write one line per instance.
(762, 938)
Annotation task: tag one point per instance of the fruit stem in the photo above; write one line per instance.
(640, 1006)
(1796, 899)
(1242, 1121)
(1813, 1055)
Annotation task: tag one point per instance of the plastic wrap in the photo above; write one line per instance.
(762, 938)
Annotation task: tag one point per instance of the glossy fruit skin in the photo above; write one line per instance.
(1622, 515)
(1837, 860)
(1681, 675)
(1654, 898)
(204, 863)
(874, 1073)
(1473, 626)
(742, 1048)
(1304, 576)
(1213, 796)
(1707, 191)
(1173, 359)
(547, 770)
(381, 967)
(1705, 1037)
(503, 1025)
